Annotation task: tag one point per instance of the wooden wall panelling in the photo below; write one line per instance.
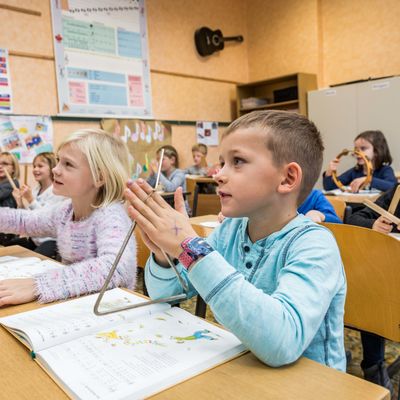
(171, 26)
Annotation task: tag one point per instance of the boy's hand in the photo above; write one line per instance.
(356, 184)
(382, 225)
(333, 165)
(164, 227)
(17, 291)
(315, 216)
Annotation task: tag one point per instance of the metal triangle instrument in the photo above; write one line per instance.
(184, 285)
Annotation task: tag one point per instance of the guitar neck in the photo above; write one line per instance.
(233, 38)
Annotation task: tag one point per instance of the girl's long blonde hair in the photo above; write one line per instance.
(108, 159)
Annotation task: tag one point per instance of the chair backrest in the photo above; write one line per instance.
(371, 262)
(338, 204)
(206, 204)
(143, 253)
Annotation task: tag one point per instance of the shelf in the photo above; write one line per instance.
(283, 104)
(292, 88)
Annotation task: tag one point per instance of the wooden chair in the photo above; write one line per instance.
(371, 262)
(342, 210)
(143, 253)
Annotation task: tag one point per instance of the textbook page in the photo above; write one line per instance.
(140, 358)
(25, 267)
(55, 324)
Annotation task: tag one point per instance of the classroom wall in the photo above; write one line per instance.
(336, 39)
(339, 40)
(185, 86)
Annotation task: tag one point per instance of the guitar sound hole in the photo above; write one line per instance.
(216, 40)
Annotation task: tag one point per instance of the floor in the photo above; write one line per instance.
(351, 337)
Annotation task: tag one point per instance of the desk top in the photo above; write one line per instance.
(201, 179)
(244, 377)
(354, 197)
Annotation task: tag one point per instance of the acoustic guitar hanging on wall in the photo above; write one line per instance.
(209, 41)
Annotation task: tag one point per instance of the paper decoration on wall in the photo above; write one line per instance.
(143, 139)
(26, 136)
(101, 53)
(207, 133)
(5, 83)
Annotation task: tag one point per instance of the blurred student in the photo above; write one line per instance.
(41, 196)
(374, 145)
(199, 154)
(10, 163)
(171, 177)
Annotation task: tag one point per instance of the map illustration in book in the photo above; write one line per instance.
(127, 355)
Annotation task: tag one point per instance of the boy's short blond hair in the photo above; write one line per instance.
(290, 137)
(14, 161)
(108, 159)
(201, 148)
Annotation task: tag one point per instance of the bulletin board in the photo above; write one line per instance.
(143, 138)
(26, 136)
(101, 57)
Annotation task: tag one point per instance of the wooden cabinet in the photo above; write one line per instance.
(283, 93)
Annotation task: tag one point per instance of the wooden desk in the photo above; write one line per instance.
(244, 377)
(169, 197)
(354, 197)
(200, 229)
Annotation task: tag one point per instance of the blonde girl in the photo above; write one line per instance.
(92, 170)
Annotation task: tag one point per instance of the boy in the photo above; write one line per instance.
(272, 277)
(199, 153)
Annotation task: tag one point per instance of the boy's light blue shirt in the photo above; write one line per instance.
(282, 296)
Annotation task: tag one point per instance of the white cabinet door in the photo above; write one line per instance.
(334, 112)
(378, 107)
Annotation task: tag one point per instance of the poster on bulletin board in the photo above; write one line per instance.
(143, 138)
(26, 136)
(5, 83)
(102, 63)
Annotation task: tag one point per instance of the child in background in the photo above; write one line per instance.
(90, 227)
(373, 144)
(272, 277)
(373, 363)
(199, 154)
(171, 177)
(42, 195)
(8, 161)
(318, 209)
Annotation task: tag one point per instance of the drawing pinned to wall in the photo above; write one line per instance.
(26, 136)
(101, 55)
(207, 133)
(143, 139)
(5, 83)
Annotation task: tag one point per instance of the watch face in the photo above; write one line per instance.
(198, 246)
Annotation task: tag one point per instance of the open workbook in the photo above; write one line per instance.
(25, 267)
(126, 355)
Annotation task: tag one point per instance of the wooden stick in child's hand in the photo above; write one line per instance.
(382, 212)
(25, 202)
(10, 180)
(395, 200)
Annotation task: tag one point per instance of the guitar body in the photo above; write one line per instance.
(208, 41)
